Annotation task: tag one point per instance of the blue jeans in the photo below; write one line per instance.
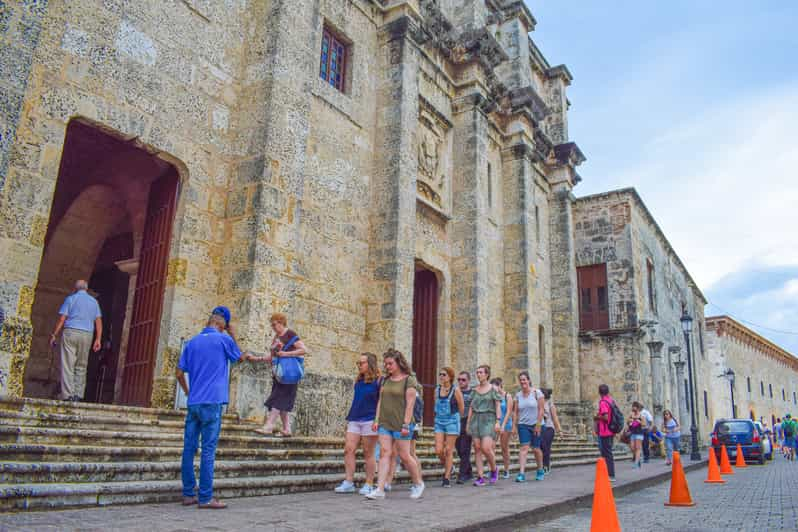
(203, 420)
(671, 444)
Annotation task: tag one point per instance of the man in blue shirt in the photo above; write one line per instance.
(205, 358)
(81, 320)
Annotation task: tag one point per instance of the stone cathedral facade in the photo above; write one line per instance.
(388, 173)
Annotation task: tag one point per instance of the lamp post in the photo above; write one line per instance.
(687, 328)
(730, 376)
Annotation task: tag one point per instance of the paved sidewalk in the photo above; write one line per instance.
(756, 498)
(507, 505)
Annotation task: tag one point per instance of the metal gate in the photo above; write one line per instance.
(148, 297)
(425, 338)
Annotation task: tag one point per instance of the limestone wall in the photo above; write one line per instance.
(158, 73)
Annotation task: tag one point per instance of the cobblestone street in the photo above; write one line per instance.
(756, 498)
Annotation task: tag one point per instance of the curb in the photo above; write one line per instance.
(552, 511)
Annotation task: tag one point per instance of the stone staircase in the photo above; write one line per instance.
(55, 454)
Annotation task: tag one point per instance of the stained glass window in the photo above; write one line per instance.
(332, 67)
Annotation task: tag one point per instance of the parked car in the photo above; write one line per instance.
(767, 443)
(730, 432)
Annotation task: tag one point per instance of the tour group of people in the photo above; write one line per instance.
(385, 413)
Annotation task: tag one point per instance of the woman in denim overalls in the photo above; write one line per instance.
(449, 406)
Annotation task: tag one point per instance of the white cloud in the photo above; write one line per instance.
(723, 185)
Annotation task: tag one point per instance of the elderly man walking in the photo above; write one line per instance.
(205, 358)
(81, 320)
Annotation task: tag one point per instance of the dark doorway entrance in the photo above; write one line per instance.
(111, 219)
(425, 337)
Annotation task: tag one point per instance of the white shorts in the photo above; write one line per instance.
(361, 427)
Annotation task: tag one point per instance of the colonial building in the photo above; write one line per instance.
(386, 172)
(765, 384)
(633, 290)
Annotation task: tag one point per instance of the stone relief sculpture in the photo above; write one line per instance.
(431, 181)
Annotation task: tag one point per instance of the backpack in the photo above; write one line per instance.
(789, 429)
(615, 423)
(418, 406)
(289, 370)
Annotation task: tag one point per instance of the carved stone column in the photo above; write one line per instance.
(657, 379)
(681, 397)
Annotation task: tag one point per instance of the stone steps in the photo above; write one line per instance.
(93, 453)
(44, 496)
(59, 455)
(128, 471)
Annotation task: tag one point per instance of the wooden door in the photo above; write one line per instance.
(425, 338)
(148, 296)
(593, 298)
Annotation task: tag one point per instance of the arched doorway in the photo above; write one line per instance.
(110, 223)
(425, 337)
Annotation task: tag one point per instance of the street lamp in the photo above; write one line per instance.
(730, 376)
(687, 328)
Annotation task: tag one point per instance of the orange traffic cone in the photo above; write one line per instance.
(680, 492)
(725, 465)
(605, 517)
(740, 458)
(713, 474)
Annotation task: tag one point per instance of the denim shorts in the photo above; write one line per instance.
(636, 437)
(447, 425)
(396, 434)
(526, 435)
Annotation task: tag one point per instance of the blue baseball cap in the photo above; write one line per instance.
(223, 312)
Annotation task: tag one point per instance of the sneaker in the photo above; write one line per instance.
(459, 481)
(520, 477)
(375, 494)
(446, 483)
(417, 491)
(540, 475)
(506, 474)
(387, 488)
(547, 469)
(480, 482)
(366, 489)
(494, 476)
(645, 460)
(345, 487)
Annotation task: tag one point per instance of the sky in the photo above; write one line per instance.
(695, 104)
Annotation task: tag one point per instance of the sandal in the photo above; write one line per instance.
(213, 504)
(265, 432)
(285, 434)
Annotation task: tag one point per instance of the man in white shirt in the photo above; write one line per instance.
(645, 414)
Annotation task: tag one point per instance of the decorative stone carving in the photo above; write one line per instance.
(432, 183)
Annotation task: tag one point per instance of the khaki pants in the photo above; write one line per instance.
(75, 348)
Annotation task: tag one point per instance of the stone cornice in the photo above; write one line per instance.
(560, 71)
(522, 150)
(569, 154)
(727, 326)
(511, 9)
(527, 97)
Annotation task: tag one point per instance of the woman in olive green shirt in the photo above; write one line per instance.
(483, 424)
(394, 423)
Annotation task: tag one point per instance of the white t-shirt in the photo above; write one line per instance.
(528, 407)
(645, 414)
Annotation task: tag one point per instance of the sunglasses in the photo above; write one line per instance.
(443, 374)
(462, 379)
